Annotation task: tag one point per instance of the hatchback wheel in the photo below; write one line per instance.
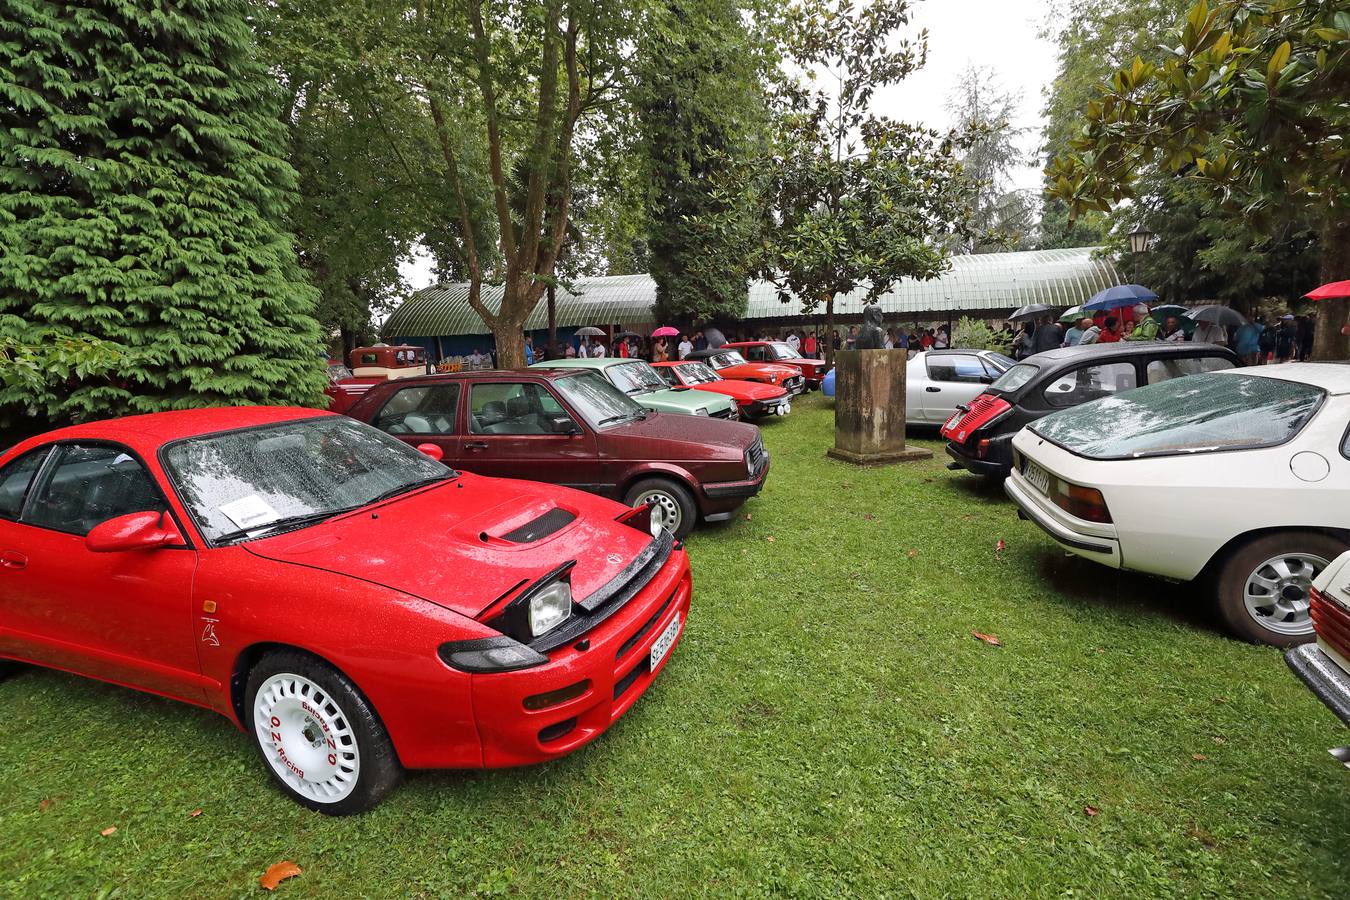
(1263, 586)
(319, 737)
(672, 504)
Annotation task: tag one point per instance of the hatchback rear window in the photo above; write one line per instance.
(1197, 414)
(1015, 378)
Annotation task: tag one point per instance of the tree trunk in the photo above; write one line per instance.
(829, 329)
(553, 322)
(1329, 343)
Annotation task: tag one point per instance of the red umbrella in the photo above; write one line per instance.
(1333, 291)
(665, 331)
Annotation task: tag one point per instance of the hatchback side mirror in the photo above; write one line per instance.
(147, 530)
(563, 425)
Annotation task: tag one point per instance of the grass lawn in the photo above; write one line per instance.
(827, 726)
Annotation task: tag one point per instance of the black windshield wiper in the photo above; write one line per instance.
(404, 488)
(279, 524)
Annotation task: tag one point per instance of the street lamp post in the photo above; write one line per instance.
(1140, 239)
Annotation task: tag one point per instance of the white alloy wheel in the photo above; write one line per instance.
(306, 738)
(1276, 592)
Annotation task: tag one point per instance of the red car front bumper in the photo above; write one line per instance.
(614, 661)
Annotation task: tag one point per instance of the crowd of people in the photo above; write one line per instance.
(1257, 342)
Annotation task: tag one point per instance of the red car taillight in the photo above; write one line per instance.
(1331, 621)
(983, 410)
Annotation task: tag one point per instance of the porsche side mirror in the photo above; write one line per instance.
(147, 530)
(432, 450)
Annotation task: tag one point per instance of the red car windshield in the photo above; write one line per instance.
(253, 482)
(698, 373)
(779, 351)
(724, 358)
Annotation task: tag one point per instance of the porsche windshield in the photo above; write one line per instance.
(1196, 414)
(725, 358)
(259, 481)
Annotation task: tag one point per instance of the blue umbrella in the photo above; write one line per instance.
(1119, 296)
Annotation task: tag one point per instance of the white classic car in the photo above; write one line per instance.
(1239, 478)
(1325, 665)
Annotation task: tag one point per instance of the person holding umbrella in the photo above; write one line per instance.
(1145, 326)
(1048, 336)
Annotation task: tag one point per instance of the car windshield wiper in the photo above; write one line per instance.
(404, 488)
(641, 414)
(286, 522)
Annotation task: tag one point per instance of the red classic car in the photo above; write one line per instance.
(731, 365)
(752, 399)
(572, 427)
(813, 370)
(357, 606)
(371, 366)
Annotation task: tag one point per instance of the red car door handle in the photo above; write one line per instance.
(12, 559)
(475, 445)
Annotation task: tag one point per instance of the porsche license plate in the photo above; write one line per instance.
(663, 643)
(1038, 477)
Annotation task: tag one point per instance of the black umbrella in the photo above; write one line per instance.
(714, 337)
(1223, 316)
(1030, 311)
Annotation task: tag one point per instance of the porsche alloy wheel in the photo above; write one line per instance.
(1262, 586)
(306, 738)
(1276, 592)
(319, 737)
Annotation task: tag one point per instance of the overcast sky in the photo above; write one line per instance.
(998, 34)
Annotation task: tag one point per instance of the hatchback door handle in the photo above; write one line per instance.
(12, 559)
(475, 445)
(933, 390)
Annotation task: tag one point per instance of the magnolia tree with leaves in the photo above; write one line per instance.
(1249, 98)
(141, 196)
(856, 201)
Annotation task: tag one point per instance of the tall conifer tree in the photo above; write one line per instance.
(142, 202)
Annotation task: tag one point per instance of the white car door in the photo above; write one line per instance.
(950, 378)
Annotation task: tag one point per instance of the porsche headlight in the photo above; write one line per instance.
(550, 607)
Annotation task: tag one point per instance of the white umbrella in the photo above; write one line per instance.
(590, 331)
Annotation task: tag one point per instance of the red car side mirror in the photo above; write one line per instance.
(147, 530)
(432, 450)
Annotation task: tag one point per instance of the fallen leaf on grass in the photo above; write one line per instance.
(108, 831)
(1199, 757)
(1220, 739)
(194, 814)
(1091, 811)
(747, 517)
(277, 873)
(869, 517)
(46, 802)
(913, 553)
(769, 539)
(990, 639)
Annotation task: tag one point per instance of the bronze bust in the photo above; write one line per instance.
(870, 336)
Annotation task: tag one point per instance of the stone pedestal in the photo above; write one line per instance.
(869, 408)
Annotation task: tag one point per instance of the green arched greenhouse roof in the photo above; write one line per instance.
(987, 282)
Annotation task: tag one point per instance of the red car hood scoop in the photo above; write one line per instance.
(467, 543)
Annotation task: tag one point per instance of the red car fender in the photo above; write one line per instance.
(385, 642)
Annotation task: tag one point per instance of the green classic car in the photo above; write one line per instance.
(637, 379)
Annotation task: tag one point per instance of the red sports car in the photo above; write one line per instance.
(356, 605)
(813, 370)
(752, 399)
(731, 365)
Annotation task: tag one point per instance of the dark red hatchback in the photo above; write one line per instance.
(572, 427)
